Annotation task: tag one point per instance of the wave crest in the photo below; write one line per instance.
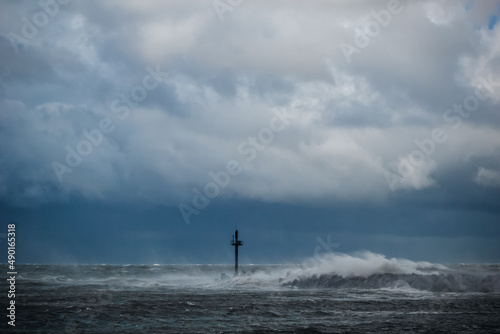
(374, 271)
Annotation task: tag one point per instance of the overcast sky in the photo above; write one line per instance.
(147, 131)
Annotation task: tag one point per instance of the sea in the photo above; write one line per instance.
(341, 293)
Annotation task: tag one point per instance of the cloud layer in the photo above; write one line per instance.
(356, 119)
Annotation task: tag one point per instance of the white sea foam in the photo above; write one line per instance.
(334, 270)
(367, 263)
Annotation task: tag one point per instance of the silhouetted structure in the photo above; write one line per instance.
(236, 243)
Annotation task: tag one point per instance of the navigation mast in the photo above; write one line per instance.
(236, 243)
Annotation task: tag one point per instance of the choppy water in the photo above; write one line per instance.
(342, 294)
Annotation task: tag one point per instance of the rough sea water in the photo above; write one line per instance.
(367, 293)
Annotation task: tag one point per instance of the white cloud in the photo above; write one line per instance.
(443, 12)
(488, 177)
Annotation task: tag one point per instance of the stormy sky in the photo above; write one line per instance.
(147, 131)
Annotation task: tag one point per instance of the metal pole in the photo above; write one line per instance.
(236, 256)
(236, 243)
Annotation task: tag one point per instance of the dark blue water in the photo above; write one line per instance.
(350, 297)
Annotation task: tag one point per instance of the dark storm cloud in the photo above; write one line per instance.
(219, 70)
(186, 92)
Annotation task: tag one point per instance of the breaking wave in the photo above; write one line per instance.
(367, 270)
